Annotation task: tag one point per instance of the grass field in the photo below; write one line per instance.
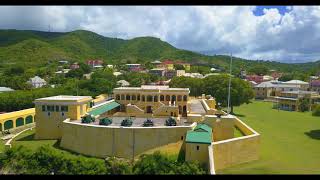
(1, 146)
(290, 141)
(27, 139)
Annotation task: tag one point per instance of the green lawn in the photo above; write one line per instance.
(290, 141)
(1, 146)
(27, 139)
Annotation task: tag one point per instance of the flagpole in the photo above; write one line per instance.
(229, 84)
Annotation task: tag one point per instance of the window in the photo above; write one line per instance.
(64, 108)
(143, 98)
(128, 97)
(149, 98)
(138, 97)
(181, 137)
(198, 148)
(167, 98)
(133, 97)
(185, 98)
(57, 108)
(43, 108)
(50, 108)
(155, 98)
(117, 97)
(162, 98)
(179, 98)
(122, 96)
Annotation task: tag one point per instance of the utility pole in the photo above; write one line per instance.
(229, 83)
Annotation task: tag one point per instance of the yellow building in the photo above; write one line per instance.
(52, 111)
(290, 100)
(156, 100)
(12, 120)
(186, 66)
(207, 136)
(197, 142)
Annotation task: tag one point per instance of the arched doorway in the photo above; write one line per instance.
(19, 122)
(29, 119)
(173, 99)
(149, 109)
(184, 111)
(8, 124)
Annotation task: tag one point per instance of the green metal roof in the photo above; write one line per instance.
(104, 108)
(203, 127)
(202, 134)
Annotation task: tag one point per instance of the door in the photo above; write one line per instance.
(149, 109)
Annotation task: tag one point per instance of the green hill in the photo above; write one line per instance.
(36, 48)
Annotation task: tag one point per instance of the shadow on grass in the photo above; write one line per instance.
(239, 115)
(27, 138)
(314, 134)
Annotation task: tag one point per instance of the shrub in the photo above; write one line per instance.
(316, 110)
(46, 160)
(157, 163)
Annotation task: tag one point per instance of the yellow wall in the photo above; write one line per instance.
(201, 155)
(186, 67)
(50, 126)
(194, 118)
(237, 150)
(124, 142)
(170, 66)
(223, 128)
(15, 115)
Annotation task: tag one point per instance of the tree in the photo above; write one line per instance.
(15, 70)
(304, 104)
(217, 86)
(195, 85)
(259, 70)
(179, 67)
(286, 77)
(158, 163)
(75, 73)
(316, 111)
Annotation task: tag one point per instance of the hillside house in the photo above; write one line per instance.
(37, 82)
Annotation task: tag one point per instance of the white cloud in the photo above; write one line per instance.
(292, 36)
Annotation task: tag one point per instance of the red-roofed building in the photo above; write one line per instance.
(94, 63)
(276, 75)
(255, 78)
(74, 66)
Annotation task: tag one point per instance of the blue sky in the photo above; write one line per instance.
(286, 34)
(259, 9)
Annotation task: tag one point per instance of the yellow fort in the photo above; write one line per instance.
(52, 111)
(138, 120)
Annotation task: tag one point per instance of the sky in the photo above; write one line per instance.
(281, 33)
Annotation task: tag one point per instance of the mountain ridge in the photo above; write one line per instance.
(80, 45)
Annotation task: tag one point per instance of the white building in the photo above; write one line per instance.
(117, 73)
(123, 83)
(37, 82)
(5, 89)
(193, 75)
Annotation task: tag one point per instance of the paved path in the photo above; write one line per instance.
(196, 107)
